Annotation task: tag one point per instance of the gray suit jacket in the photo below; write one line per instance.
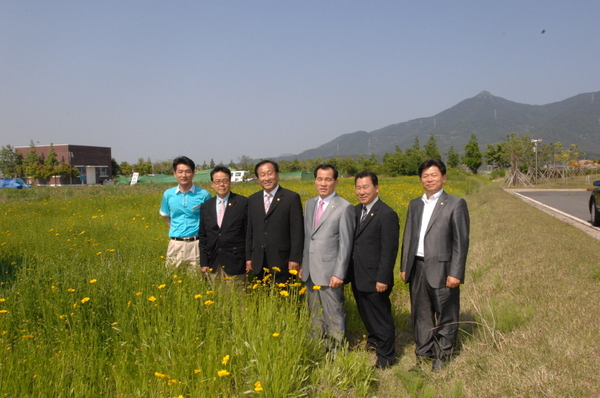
(327, 247)
(446, 239)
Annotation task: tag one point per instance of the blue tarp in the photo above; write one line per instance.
(10, 183)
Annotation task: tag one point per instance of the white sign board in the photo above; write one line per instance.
(134, 179)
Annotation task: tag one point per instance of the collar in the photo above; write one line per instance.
(433, 197)
(273, 192)
(192, 189)
(370, 205)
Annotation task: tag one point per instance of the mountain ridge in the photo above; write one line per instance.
(575, 120)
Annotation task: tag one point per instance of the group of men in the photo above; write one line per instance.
(331, 243)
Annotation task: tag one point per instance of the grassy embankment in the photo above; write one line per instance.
(89, 309)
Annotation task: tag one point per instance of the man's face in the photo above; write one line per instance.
(366, 192)
(267, 177)
(221, 183)
(184, 175)
(432, 180)
(325, 182)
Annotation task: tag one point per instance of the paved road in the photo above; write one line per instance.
(572, 202)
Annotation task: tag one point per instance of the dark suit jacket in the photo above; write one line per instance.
(446, 239)
(225, 246)
(278, 236)
(375, 247)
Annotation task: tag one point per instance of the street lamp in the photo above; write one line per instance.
(535, 149)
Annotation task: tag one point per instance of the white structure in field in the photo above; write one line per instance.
(239, 175)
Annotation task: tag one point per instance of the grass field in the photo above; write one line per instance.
(87, 307)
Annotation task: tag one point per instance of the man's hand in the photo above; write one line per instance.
(248, 266)
(294, 265)
(205, 269)
(452, 282)
(335, 282)
(380, 287)
(403, 276)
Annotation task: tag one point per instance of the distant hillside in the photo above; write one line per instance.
(575, 120)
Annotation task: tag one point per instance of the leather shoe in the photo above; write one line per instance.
(438, 365)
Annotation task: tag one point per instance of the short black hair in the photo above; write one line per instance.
(275, 166)
(326, 167)
(430, 163)
(222, 169)
(184, 160)
(364, 174)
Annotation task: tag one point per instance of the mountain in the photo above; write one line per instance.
(575, 120)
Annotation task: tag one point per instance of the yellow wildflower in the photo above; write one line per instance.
(114, 324)
(316, 287)
(161, 286)
(276, 269)
(162, 376)
(93, 281)
(266, 270)
(281, 285)
(293, 272)
(225, 360)
(28, 336)
(197, 296)
(257, 386)
(172, 382)
(99, 253)
(276, 334)
(223, 372)
(3, 311)
(2, 300)
(284, 293)
(210, 292)
(138, 294)
(152, 298)
(85, 300)
(209, 302)
(197, 370)
(70, 290)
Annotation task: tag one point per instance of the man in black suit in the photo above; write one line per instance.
(372, 266)
(222, 233)
(434, 254)
(275, 234)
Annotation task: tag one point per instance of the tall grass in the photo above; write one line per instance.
(87, 307)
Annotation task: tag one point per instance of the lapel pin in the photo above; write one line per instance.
(278, 199)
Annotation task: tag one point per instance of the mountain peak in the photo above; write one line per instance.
(485, 94)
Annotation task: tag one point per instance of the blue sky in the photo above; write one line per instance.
(222, 79)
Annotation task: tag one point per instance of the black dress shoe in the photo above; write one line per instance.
(438, 365)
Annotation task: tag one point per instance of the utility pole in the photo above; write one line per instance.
(535, 149)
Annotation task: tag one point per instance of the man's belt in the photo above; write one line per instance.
(188, 239)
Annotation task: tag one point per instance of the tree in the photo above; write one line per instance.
(515, 149)
(32, 163)
(115, 168)
(10, 161)
(64, 170)
(414, 157)
(212, 164)
(432, 151)
(245, 163)
(453, 158)
(162, 167)
(394, 164)
(496, 156)
(472, 157)
(126, 169)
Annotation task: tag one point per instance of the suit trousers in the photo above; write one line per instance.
(375, 310)
(326, 306)
(435, 315)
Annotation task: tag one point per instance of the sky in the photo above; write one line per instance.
(225, 79)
